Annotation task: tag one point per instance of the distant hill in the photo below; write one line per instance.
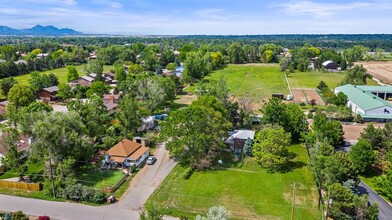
(39, 30)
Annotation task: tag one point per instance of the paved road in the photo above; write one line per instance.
(142, 186)
(385, 209)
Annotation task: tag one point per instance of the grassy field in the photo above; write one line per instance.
(32, 169)
(60, 73)
(312, 79)
(249, 192)
(258, 80)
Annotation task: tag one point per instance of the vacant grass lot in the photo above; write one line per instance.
(249, 192)
(60, 73)
(312, 79)
(258, 80)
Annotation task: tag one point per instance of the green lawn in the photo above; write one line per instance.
(32, 169)
(312, 79)
(258, 80)
(249, 192)
(60, 73)
(90, 176)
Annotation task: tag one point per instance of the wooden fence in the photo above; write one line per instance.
(21, 185)
(118, 184)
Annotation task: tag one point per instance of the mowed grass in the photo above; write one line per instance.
(90, 176)
(61, 73)
(312, 78)
(249, 192)
(369, 179)
(257, 80)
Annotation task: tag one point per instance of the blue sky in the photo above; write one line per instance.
(174, 17)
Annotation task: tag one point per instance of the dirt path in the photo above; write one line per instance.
(380, 70)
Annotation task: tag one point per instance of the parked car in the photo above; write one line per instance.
(151, 160)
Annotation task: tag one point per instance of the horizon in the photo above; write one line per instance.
(219, 17)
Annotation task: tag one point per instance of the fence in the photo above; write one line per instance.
(118, 184)
(20, 185)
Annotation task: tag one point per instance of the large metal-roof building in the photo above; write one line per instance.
(371, 102)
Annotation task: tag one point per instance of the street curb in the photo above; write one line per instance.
(377, 193)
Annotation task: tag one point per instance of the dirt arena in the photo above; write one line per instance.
(305, 95)
(353, 131)
(380, 70)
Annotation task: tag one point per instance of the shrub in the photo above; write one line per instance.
(78, 192)
(188, 173)
(98, 198)
(310, 115)
(19, 215)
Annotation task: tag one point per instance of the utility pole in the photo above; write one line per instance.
(293, 203)
(52, 177)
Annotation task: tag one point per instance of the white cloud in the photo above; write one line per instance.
(320, 9)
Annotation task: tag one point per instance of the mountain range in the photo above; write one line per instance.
(39, 30)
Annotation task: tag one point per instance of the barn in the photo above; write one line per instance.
(330, 65)
(371, 102)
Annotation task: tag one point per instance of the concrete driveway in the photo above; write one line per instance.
(142, 186)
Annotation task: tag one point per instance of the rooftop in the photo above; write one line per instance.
(123, 148)
(240, 134)
(363, 97)
(51, 89)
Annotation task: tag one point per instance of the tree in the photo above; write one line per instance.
(236, 53)
(20, 96)
(38, 107)
(94, 116)
(356, 76)
(215, 213)
(375, 136)
(290, 117)
(6, 84)
(346, 205)
(72, 73)
(66, 138)
(340, 99)
(41, 80)
(267, 56)
(171, 66)
(195, 135)
(119, 74)
(12, 159)
(129, 116)
(95, 66)
(65, 91)
(362, 155)
(322, 86)
(97, 88)
(270, 148)
(330, 129)
(151, 212)
(195, 66)
(384, 184)
(248, 147)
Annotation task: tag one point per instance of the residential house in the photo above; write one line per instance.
(48, 94)
(3, 107)
(82, 81)
(111, 102)
(237, 139)
(370, 102)
(22, 145)
(128, 153)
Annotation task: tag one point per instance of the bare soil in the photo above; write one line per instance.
(353, 131)
(379, 70)
(306, 95)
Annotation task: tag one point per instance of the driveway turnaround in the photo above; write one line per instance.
(142, 186)
(385, 209)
